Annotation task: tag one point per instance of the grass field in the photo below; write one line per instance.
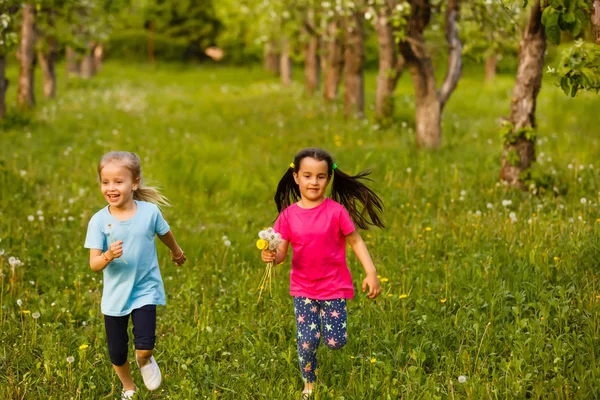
(479, 280)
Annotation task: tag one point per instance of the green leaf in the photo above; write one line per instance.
(525, 2)
(549, 16)
(574, 89)
(553, 34)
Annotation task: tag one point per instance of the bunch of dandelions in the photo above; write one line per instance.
(268, 240)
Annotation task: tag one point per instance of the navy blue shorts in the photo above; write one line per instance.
(144, 332)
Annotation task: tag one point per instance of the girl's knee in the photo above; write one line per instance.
(118, 356)
(144, 353)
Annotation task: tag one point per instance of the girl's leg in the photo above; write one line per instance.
(334, 316)
(144, 332)
(116, 335)
(308, 336)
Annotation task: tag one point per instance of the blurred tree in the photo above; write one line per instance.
(389, 18)
(429, 101)
(195, 21)
(8, 40)
(488, 30)
(26, 56)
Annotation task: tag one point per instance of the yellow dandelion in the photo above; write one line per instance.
(428, 204)
(443, 300)
(403, 296)
(373, 360)
(556, 258)
(428, 228)
(262, 244)
(598, 220)
(384, 280)
(390, 295)
(352, 357)
(26, 311)
(542, 318)
(83, 346)
(598, 296)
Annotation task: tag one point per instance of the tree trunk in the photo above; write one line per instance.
(271, 58)
(71, 60)
(3, 85)
(98, 57)
(47, 58)
(87, 63)
(285, 63)
(596, 20)
(335, 63)
(323, 40)
(490, 67)
(429, 102)
(354, 59)
(26, 55)
(311, 56)
(519, 154)
(389, 67)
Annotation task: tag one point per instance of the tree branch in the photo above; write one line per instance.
(454, 52)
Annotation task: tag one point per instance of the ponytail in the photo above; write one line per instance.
(362, 203)
(151, 195)
(288, 191)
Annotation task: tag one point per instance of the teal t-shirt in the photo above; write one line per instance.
(133, 280)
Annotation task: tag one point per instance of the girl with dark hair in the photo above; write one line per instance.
(318, 228)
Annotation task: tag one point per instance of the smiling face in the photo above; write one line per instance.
(117, 184)
(312, 178)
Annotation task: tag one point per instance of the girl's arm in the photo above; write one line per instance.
(278, 255)
(360, 249)
(177, 255)
(99, 260)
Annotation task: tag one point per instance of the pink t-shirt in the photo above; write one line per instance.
(318, 238)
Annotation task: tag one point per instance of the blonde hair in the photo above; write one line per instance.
(132, 162)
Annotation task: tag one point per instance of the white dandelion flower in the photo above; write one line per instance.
(70, 359)
(583, 200)
(462, 379)
(19, 302)
(489, 206)
(35, 315)
(30, 218)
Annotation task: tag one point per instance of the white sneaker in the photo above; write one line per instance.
(151, 374)
(127, 394)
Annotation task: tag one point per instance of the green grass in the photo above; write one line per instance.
(513, 306)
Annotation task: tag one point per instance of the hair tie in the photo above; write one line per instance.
(292, 166)
(334, 166)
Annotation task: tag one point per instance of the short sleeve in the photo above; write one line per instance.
(346, 224)
(161, 227)
(282, 227)
(94, 238)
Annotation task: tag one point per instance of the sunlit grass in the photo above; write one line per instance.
(479, 281)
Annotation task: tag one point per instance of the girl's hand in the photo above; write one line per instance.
(268, 255)
(115, 250)
(373, 283)
(180, 259)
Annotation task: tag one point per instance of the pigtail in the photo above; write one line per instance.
(151, 195)
(288, 191)
(362, 203)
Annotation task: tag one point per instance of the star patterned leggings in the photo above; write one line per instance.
(316, 318)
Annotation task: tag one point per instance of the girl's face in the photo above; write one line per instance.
(117, 184)
(312, 178)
